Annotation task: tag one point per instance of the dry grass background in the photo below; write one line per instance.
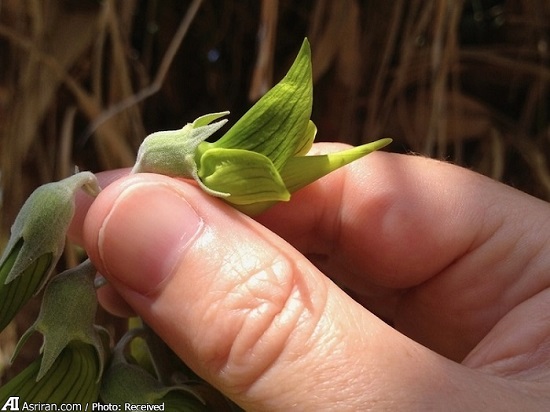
(82, 82)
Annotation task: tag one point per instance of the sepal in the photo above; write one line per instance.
(172, 152)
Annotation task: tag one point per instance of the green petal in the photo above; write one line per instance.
(9, 258)
(275, 124)
(16, 293)
(246, 176)
(72, 379)
(303, 170)
(307, 140)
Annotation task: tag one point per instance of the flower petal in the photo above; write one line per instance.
(16, 293)
(246, 176)
(272, 125)
(307, 140)
(303, 170)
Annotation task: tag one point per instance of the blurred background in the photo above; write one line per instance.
(82, 82)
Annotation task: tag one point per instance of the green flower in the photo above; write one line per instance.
(263, 158)
(37, 241)
(72, 378)
(66, 316)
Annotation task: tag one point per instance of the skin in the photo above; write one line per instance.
(395, 283)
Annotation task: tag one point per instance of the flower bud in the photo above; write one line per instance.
(172, 152)
(37, 241)
(72, 378)
(67, 314)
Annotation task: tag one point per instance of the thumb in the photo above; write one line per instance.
(244, 309)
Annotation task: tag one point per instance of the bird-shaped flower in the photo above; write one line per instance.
(263, 158)
(37, 241)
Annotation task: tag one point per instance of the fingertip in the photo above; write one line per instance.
(138, 228)
(113, 303)
(83, 201)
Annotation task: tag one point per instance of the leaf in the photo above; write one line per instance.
(125, 382)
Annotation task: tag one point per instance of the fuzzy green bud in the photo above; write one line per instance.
(172, 152)
(37, 241)
(67, 314)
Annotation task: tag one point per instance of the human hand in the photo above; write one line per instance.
(455, 263)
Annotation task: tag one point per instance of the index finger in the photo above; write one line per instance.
(400, 219)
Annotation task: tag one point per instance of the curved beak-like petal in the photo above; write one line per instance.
(247, 177)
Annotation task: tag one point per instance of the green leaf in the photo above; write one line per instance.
(246, 176)
(271, 126)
